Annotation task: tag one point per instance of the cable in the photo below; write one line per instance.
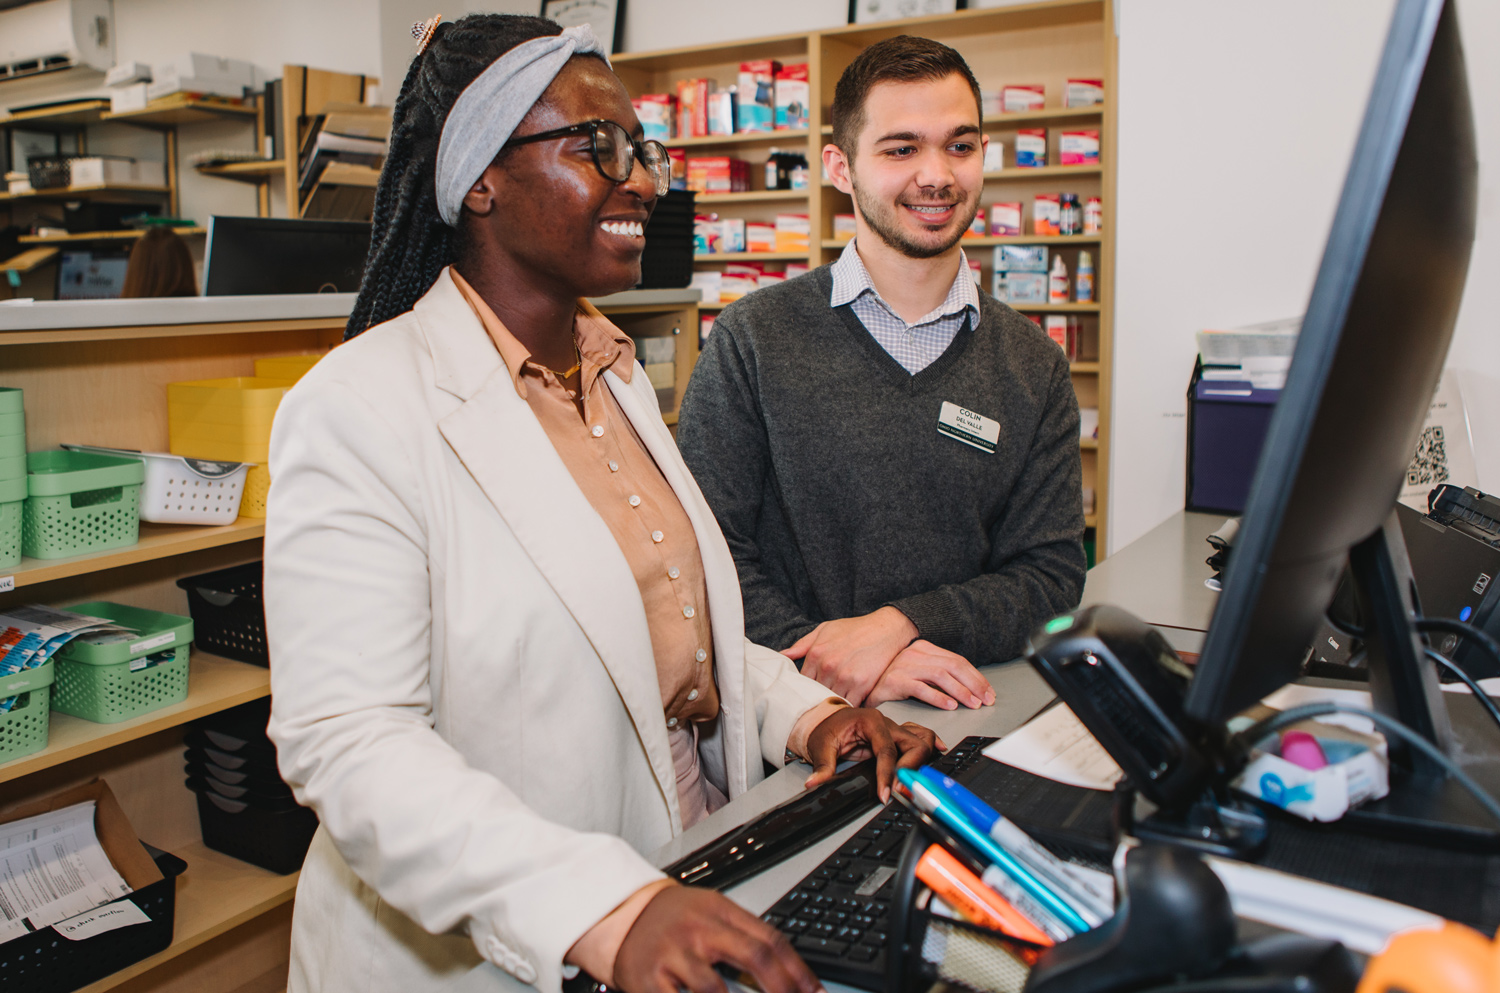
(1348, 630)
(1482, 639)
(1469, 681)
(1390, 725)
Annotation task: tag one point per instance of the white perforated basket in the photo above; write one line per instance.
(180, 490)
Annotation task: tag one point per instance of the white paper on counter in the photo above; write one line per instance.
(52, 867)
(1055, 745)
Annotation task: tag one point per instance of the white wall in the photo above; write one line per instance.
(1235, 130)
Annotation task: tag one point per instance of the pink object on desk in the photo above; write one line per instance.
(1302, 749)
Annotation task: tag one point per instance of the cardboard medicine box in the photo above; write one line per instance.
(1020, 99)
(1031, 148)
(1005, 219)
(793, 97)
(793, 232)
(1083, 93)
(658, 114)
(1078, 148)
(1046, 214)
(757, 95)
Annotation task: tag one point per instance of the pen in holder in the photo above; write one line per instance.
(928, 946)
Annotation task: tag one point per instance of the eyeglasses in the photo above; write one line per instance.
(615, 152)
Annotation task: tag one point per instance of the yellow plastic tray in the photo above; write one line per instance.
(292, 367)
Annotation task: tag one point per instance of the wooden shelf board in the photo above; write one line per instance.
(750, 257)
(28, 260)
(1043, 172)
(752, 196)
(179, 108)
(1056, 308)
(214, 684)
(1002, 121)
(73, 114)
(716, 305)
(143, 332)
(250, 171)
(347, 174)
(989, 241)
(1090, 520)
(1083, 368)
(158, 541)
(216, 894)
(960, 25)
(75, 192)
(744, 138)
(784, 48)
(58, 239)
(1089, 443)
(669, 418)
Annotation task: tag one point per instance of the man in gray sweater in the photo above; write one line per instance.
(891, 454)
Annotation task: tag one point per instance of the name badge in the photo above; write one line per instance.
(962, 424)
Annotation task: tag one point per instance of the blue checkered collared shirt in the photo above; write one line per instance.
(918, 344)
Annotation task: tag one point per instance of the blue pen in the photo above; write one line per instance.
(1096, 906)
(930, 802)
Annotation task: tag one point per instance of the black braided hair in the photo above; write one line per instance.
(409, 243)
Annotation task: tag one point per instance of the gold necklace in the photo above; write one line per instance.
(561, 376)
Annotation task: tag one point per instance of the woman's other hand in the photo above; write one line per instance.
(684, 932)
(857, 733)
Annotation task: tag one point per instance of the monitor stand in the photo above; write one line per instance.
(1425, 804)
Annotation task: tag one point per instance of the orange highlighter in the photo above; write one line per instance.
(952, 881)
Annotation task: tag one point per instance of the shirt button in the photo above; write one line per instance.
(597, 431)
(614, 466)
(673, 572)
(688, 611)
(635, 501)
(693, 695)
(657, 536)
(671, 722)
(701, 656)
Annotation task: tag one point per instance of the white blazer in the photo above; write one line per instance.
(462, 678)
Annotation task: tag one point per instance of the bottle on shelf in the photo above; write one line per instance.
(1069, 215)
(1093, 216)
(1083, 279)
(1057, 282)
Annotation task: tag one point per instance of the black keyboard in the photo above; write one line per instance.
(837, 918)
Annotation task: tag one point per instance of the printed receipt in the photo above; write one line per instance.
(52, 867)
(1055, 745)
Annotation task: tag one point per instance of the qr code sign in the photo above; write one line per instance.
(1430, 465)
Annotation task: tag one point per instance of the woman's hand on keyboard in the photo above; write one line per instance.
(857, 733)
(684, 932)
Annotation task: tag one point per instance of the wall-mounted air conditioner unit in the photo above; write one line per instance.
(56, 34)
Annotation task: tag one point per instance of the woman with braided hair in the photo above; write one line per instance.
(507, 647)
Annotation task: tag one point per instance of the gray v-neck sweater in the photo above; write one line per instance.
(821, 458)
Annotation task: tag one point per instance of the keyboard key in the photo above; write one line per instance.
(862, 920)
(876, 937)
(822, 900)
(795, 925)
(862, 953)
(852, 876)
(830, 947)
(849, 934)
(822, 930)
(814, 884)
(854, 848)
(775, 920)
(870, 832)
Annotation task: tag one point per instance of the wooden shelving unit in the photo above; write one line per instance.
(1043, 42)
(255, 171)
(158, 541)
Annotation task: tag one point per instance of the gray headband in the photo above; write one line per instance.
(486, 113)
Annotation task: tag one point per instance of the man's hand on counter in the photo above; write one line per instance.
(857, 733)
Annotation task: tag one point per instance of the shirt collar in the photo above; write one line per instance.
(851, 280)
(601, 345)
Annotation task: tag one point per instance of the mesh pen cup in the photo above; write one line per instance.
(79, 502)
(113, 677)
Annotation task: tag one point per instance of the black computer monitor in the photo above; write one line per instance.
(1372, 346)
(254, 255)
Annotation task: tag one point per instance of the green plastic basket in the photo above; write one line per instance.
(10, 533)
(80, 502)
(113, 677)
(12, 422)
(23, 729)
(11, 398)
(12, 445)
(106, 694)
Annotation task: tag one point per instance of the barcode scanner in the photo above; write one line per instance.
(1174, 922)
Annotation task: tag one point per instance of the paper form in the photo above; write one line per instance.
(52, 867)
(1055, 745)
